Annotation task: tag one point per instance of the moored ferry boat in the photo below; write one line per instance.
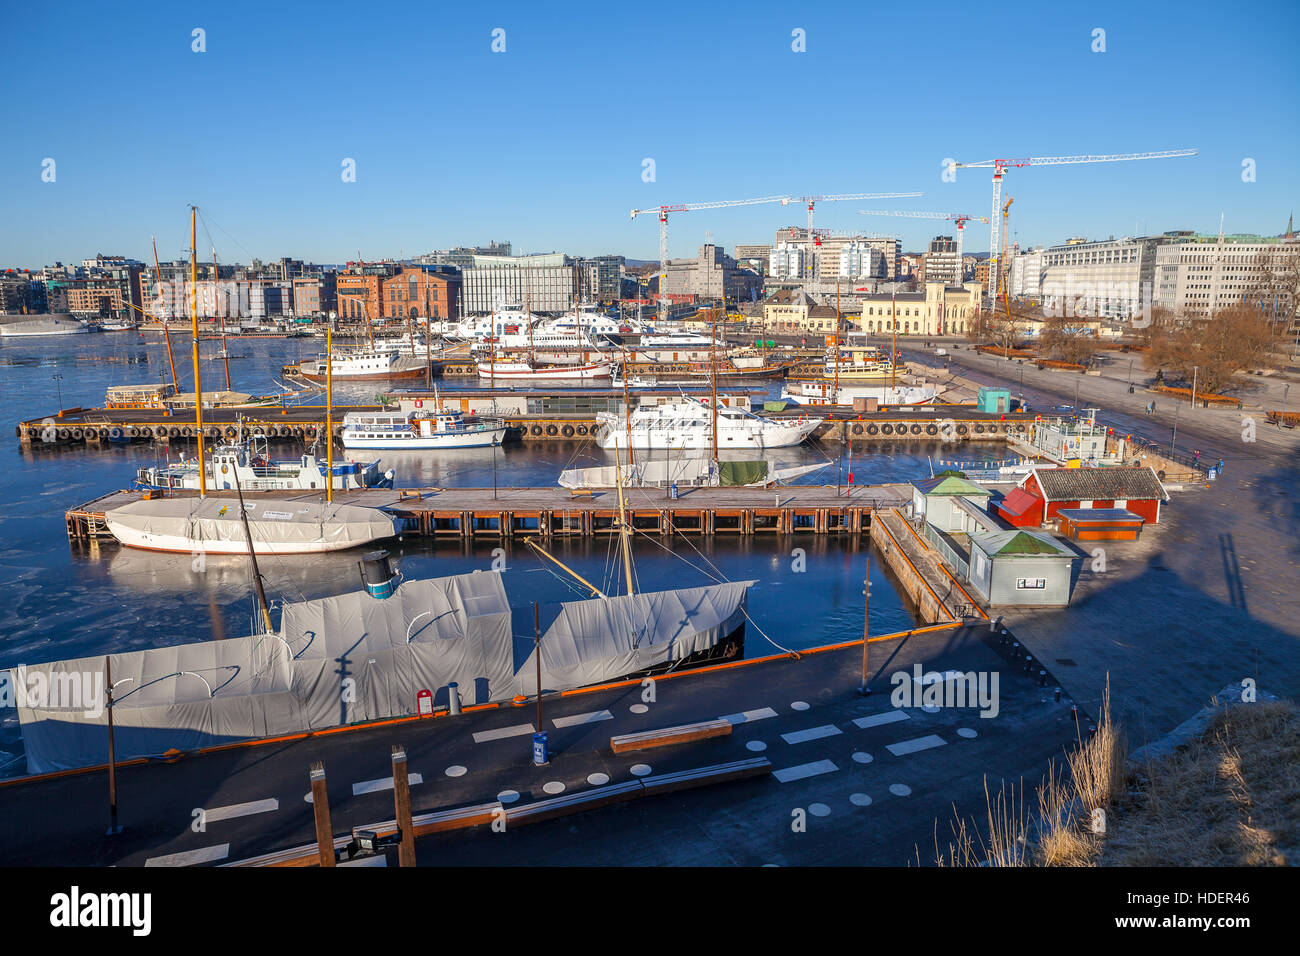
(360, 365)
(246, 466)
(689, 424)
(417, 431)
(528, 369)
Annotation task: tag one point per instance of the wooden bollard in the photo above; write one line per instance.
(321, 807)
(402, 807)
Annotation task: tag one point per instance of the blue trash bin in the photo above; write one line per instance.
(672, 492)
(541, 752)
(1212, 474)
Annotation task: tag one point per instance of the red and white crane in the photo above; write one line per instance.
(1000, 166)
(812, 201)
(663, 212)
(959, 218)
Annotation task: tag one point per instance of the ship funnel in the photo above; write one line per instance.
(377, 574)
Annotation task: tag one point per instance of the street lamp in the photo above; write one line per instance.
(1195, 369)
(1174, 439)
(57, 377)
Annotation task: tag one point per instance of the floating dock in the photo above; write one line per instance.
(516, 513)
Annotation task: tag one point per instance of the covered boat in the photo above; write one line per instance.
(277, 526)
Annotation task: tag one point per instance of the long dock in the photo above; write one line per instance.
(474, 513)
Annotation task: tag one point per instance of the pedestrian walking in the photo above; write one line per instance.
(1151, 406)
(1220, 467)
(1198, 456)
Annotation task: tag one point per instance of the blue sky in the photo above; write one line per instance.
(543, 144)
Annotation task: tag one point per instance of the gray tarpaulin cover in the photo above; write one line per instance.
(199, 695)
(351, 658)
(600, 639)
(275, 524)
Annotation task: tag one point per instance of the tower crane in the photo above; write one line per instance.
(1000, 167)
(812, 201)
(959, 218)
(663, 212)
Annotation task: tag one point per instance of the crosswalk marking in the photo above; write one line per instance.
(217, 814)
(745, 716)
(383, 783)
(805, 770)
(904, 747)
(813, 733)
(576, 719)
(207, 854)
(875, 720)
(518, 730)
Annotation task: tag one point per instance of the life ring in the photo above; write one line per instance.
(77, 434)
(231, 431)
(173, 432)
(916, 429)
(887, 429)
(873, 430)
(552, 431)
(582, 429)
(857, 429)
(536, 431)
(160, 432)
(932, 429)
(962, 429)
(979, 429)
(132, 431)
(567, 431)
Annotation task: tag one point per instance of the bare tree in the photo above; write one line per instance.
(1066, 339)
(1274, 282)
(1215, 349)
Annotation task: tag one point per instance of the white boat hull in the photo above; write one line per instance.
(180, 544)
(426, 443)
(771, 435)
(551, 373)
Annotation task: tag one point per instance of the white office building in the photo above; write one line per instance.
(1199, 275)
(860, 261)
(1026, 275)
(787, 260)
(1112, 278)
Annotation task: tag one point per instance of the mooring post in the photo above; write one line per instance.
(402, 807)
(320, 803)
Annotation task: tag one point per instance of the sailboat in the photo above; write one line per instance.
(638, 634)
(206, 525)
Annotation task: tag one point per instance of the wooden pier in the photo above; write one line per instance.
(548, 513)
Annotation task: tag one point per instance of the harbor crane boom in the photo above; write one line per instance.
(1000, 167)
(812, 201)
(959, 218)
(663, 212)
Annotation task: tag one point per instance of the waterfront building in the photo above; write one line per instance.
(939, 310)
(1196, 276)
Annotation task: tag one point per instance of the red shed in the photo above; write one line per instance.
(1044, 492)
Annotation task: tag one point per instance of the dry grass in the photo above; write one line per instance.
(1230, 798)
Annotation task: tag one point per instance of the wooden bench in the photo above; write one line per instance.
(581, 493)
(667, 736)
(578, 802)
(704, 776)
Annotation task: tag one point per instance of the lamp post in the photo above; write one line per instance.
(1195, 369)
(57, 377)
(864, 690)
(1174, 439)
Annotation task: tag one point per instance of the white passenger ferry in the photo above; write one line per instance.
(689, 424)
(362, 365)
(418, 431)
(248, 464)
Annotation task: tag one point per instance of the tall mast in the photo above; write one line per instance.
(157, 274)
(713, 382)
(624, 532)
(329, 411)
(216, 310)
(252, 555)
(428, 334)
(198, 377)
(627, 409)
(893, 347)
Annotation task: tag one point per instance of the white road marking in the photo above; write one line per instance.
(860, 799)
(819, 809)
(746, 716)
(577, 719)
(966, 732)
(799, 705)
(862, 757)
(638, 708)
(217, 814)
(905, 747)
(383, 783)
(757, 746)
(813, 733)
(598, 779)
(207, 854)
(518, 730)
(508, 796)
(900, 789)
(456, 770)
(803, 770)
(553, 787)
(640, 769)
(876, 720)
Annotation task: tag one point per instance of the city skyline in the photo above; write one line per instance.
(547, 141)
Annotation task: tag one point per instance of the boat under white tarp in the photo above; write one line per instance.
(277, 526)
(686, 472)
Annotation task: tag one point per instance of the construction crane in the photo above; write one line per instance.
(663, 212)
(1000, 166)
(959, 218)
(812, 201)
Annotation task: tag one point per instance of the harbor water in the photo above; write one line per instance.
(63, 603)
